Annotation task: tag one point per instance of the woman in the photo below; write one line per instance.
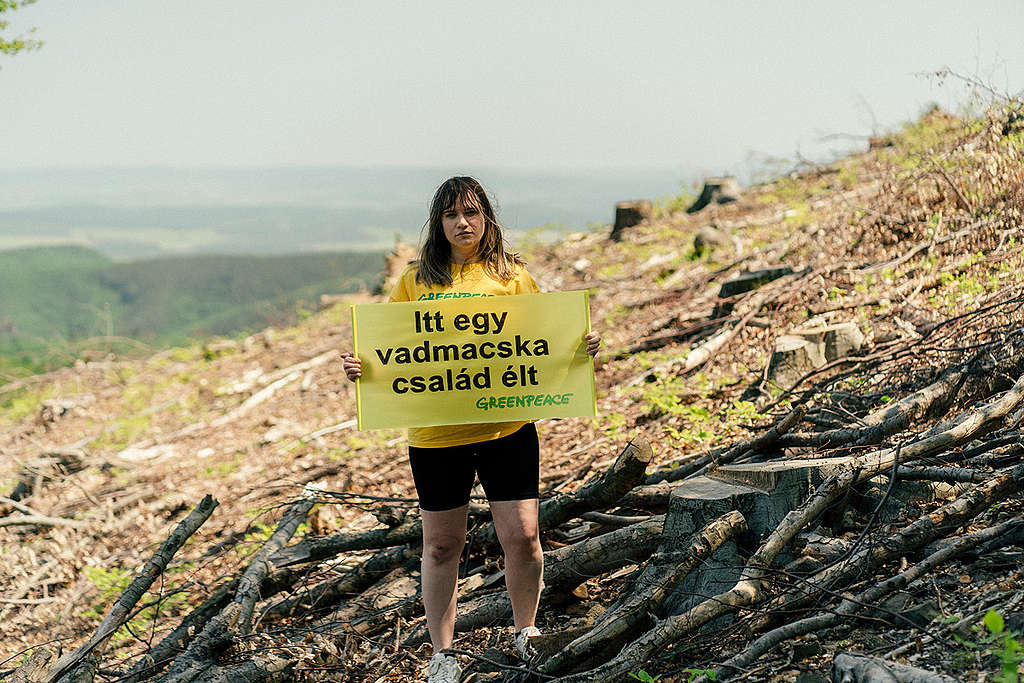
(465, 251)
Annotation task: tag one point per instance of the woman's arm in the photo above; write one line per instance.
(593, 340)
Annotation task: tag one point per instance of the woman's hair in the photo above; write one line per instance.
(433, 264)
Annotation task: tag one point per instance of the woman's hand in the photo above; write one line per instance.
(593, 340)
(353, 366)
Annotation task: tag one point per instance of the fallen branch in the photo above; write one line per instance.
(121, 610)
(236, 618)
(890, 419)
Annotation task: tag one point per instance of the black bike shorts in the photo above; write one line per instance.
(508, 467)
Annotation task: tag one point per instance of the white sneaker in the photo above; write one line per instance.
(522, 641)
(444, 669)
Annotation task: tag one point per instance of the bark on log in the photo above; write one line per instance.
(366, 610)
(317, 549)
(655, 584)
(614, 521)
(35, 668)
(748, 446)
(121, 610)
(932, 399)
(263, 667)
(84, 672)
(853, 668)
(329, 593)
(653, 497)
(948, 474)
(174, 643)
(195, 621)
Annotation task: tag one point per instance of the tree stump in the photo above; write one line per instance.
(793, 358)
(837, 341)
(719, 190)
(628, 214)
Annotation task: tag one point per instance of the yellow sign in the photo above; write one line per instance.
(473, 359)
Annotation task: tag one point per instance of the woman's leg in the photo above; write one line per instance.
(519, 534)
(444, 535)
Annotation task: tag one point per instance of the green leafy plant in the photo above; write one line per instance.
(695, 673)
(999, 642)
(642, 675)
(1007, 648)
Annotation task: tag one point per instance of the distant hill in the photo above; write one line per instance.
(133, 213)
(52, 297)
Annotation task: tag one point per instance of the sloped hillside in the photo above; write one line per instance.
(872, 499)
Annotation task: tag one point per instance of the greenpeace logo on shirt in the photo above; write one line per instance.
(448, 295)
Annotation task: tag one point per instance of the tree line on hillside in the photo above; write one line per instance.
(51, 299)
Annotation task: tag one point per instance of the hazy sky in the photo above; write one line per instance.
(527, 84)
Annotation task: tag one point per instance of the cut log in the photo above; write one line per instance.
(50, 465)
(352, 582)
(792, 359)
(744, 283)
(931, 400)
(371, 607)
(837, 341)
(758, 443)
(174, 643)
(317, 549)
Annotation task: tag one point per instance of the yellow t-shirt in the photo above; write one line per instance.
(468, 280)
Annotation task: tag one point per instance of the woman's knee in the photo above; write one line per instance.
(522, 545)
(443, 549)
